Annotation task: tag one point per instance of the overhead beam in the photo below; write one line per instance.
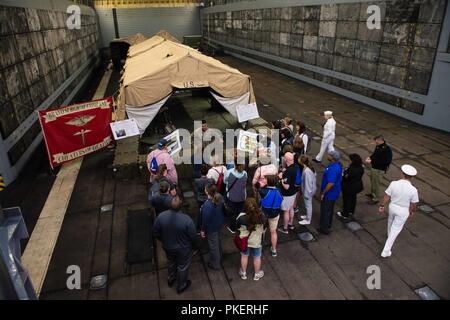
(102, 4)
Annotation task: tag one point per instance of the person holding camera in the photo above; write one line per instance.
(259, 178)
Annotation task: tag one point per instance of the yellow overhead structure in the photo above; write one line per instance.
(2, 184)
(144, 3)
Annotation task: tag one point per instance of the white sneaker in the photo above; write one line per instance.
(340, 215)
(258, 275)
(243, 274)
(304, 222)
(303, 217)
(386, 254)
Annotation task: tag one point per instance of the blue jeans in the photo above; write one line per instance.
(254, 252)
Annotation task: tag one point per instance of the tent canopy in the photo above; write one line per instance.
(151, 76)
(142, 46)
(166, 35)
(132, 40)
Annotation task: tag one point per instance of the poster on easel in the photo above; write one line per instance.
(247, 112)
(247, 141)
(173, 142)
(124, 129)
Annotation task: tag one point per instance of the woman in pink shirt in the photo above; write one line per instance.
(259, 179)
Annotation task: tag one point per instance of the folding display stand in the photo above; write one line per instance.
(14, 280)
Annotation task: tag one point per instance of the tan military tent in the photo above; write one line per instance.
(150, 77)
(132, 40)
(143, 46)
(166, 35)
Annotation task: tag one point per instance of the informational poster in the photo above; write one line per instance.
(124, 129)
(173, 142)
(77, 130)
(247, 112)
(247, 141)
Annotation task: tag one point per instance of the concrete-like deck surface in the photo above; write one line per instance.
(332, 267)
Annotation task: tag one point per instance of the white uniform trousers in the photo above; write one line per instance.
(326, 146)
(308, 207)
(397, 218)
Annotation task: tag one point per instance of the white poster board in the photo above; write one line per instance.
(246, 112)
(247, 141)
(124, 129)
(173, 142)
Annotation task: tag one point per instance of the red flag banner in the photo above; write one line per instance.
(77, 130)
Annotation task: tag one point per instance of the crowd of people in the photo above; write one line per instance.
(280, 192)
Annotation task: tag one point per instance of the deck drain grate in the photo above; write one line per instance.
(306, 236)
(426, 208)
(98, 282)
(106, 208)
(425, 293)
(353, 226)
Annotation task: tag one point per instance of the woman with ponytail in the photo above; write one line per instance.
(250, 224)
(212, 219)
(309, 188)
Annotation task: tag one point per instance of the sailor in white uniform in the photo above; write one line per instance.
(329, 133)
(403, 197)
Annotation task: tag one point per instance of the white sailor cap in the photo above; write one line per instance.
(409, 170)
(328, 113)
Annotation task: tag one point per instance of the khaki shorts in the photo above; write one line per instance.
(288, 202)
(273, 223)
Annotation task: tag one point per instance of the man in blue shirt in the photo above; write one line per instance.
(330, 190)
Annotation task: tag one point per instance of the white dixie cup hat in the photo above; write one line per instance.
(409, 170)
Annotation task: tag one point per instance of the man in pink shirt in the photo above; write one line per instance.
(259, 179)
(162, 156)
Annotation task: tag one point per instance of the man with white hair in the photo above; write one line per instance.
(329, 133)
(403, 197)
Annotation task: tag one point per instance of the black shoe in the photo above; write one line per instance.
(170, 282)
(316, 161)
(323, 231)
(180, 290)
